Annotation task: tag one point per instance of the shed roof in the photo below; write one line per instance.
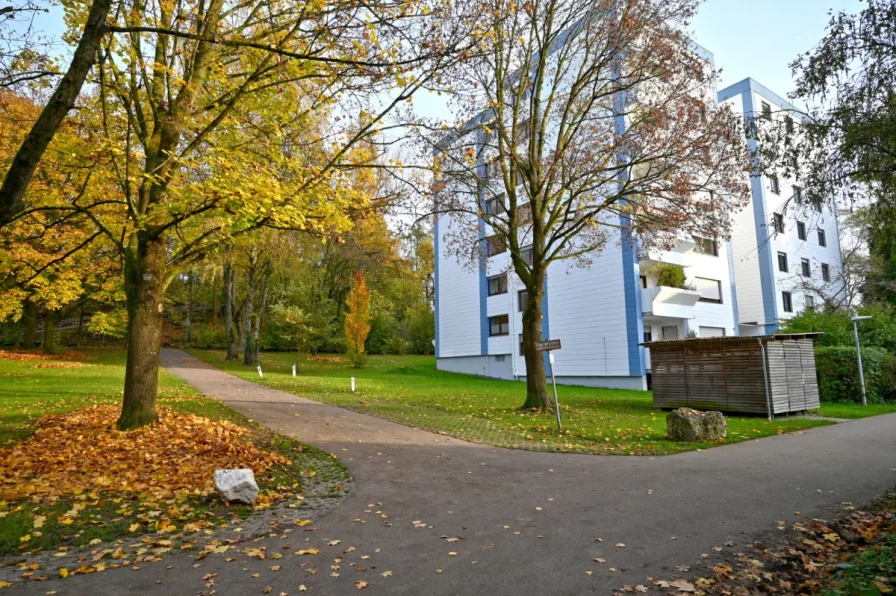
(734, 338)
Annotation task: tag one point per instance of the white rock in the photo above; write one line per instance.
(236, 485)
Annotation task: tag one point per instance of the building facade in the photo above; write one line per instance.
(603, 312)
(786, 252)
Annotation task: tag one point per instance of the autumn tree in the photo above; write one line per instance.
(50, 264)
(585, 125)
(225, 117)
(357, 320)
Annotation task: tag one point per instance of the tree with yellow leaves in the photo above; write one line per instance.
(357, 320)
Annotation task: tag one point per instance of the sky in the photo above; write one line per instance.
(760, 38)
(749, 38)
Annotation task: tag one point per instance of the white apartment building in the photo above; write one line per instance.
(600, 313)
(786, 252)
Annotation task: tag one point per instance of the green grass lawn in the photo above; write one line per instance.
(409, 390)
(28, 392)
(853, 411)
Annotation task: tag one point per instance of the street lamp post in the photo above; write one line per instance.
(855, 329)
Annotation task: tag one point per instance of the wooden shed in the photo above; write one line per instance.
(768, 374)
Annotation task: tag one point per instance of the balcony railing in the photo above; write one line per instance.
(663, 301)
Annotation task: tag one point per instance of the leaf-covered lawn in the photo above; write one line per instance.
(55, 494)
(409, 390)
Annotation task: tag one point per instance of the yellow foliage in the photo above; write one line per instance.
(357, 319)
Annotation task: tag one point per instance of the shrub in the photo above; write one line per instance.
(421, 327)
(887, 386)
(838, 374)
(207, 336)
(671, 276)
(836, 326)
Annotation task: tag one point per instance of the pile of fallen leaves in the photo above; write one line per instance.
(26, 355)
(313, 358)
(61, 365)
(805, 559)
(82, 452)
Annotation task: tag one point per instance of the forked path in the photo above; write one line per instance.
(529, 521)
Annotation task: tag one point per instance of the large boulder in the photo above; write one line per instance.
(685, 424)
(236, 485)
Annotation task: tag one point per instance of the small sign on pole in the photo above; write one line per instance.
(548, 346)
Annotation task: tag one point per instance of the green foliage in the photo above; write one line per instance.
(670, 276)
(384, 333)
(207, 335)
(113, 323)
(838, 374)
(836, 326)
(421, 329)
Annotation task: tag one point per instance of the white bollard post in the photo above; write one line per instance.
(293, 370)
(353, 383)
(260, 374)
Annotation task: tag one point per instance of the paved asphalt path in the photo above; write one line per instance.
(528, 521)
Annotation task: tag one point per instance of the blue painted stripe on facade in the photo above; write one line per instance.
(483, 292)
(634, 317)
(545, 324)
(730, 252)
(483, 260)
(760, 216)
(435, 246)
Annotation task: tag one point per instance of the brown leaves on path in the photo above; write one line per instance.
(81, 451)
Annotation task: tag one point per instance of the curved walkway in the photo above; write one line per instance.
(529, 522)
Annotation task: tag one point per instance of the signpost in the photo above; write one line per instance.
(548, 346)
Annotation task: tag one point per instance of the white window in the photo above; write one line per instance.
(497, 285)
(810, 302)
(499, 325)
(712, 331)
(494, 245)
(710, 289)
(670, 332)
(706, 246)
(495, 206)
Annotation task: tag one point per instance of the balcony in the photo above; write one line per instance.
(663, 301)
(656, 257)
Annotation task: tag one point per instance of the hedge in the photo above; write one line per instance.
(838, 374)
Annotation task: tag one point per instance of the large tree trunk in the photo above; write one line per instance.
(229, 328)
(260, 315)
(248, 316)
(536, 383)
(189, 313)
(61, 102)
(29, 320)
(49, 343)
(144, 275)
